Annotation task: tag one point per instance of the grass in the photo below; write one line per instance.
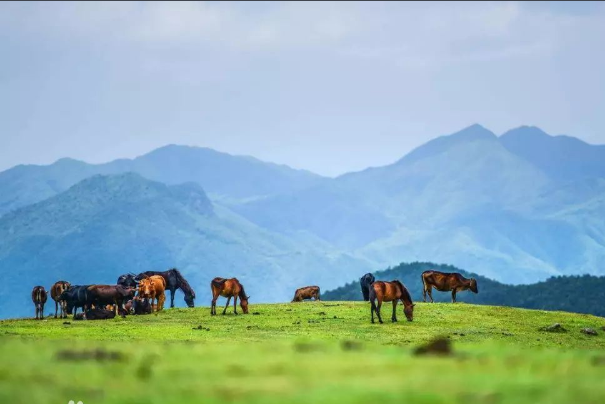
(308, 352)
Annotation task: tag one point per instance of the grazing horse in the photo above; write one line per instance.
(228, 288)
(387, 292)
(445, 282)
(39, 297)
(308, 292)
(174, 280)
(153, 288)
(55, 293)
(365, 283)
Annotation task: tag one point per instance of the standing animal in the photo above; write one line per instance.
(153, 288)
(391, 292)
(445, 282)
(127, 280)
(115, 295)
(228, 288)
(39, 297)
(76, 296)
(365, 282)
(308, 292)
(174, 280)
(55, 293)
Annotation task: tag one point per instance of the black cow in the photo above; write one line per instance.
(141, 306)
(77, 296)
(128, 280)
(365, 282)
(99, 314)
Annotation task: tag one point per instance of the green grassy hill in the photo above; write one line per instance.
(326, 352)
(579, 294)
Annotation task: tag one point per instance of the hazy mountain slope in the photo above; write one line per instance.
(580, 294)
(220, 174)
(108, 225)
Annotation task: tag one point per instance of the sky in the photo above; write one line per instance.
(328, 87)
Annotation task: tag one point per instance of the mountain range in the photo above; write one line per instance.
(516, 208)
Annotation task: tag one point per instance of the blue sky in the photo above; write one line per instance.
(329, 87)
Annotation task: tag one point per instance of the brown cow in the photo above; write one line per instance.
(55, 293)
(39, 297)
(308, 292)
(445, 282)
(152, 288)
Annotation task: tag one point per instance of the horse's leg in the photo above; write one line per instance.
(454, 296)
(423, 291)
(172, 292)
(378, 311)
(227, 305)
(235, 305)
(430, 292)
(56, 308)
(41, 311)
(394, 317)
(372, 309)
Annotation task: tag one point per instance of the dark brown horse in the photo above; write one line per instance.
(445, 282)
(308, 292)
(391, 292)
(115, 295)
(39, 297)
(228, 288)
(55, 293)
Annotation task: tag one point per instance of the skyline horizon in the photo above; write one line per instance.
(291, 166)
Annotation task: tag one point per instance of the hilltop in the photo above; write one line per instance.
(290, 352)
(579, 294)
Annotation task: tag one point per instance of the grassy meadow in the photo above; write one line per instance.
(326, 352)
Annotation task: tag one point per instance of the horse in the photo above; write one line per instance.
(174, 280)
(39, 297)
(228, 288)
(307, 292)
(445, 282)
(55, 293)
(387, 292)
(153, 288)
(365, 282)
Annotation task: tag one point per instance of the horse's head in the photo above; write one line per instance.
(189, 300)
(408, 310)
(473, 285)
(244, 304)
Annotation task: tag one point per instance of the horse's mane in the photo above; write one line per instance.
(405, 293)
(242, 292)
(182, 282)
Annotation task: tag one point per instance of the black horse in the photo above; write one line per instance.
(174, 281)
(365, 282)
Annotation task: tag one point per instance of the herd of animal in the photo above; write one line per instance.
(146, 292)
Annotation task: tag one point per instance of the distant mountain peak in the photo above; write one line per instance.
(473, 132)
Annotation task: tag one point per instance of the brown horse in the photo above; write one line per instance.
(228, 288)
(55, 293)
(308, 292)
(387, 292)
(445, 282)
(39, 297)
(152, 288)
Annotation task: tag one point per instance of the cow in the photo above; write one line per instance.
(127, 280)
(308, 292)
(141, 306)
(445, 282)
(99, 314)
(365, 282)
(115, 295)
(152, 288)
(55, 293)
(76, 296)
(39, 297)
